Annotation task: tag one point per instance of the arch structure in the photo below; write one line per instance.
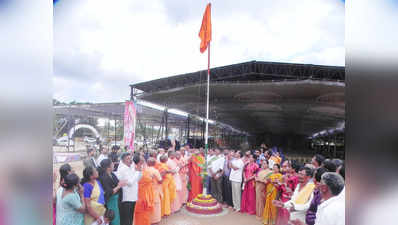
(79, 126)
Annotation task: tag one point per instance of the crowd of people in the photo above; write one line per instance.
(137, 188)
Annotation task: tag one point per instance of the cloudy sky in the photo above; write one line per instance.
(102, 46)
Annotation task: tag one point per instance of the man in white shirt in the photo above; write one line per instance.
(331, 211)
(235, 177)
(209, 159)
(332, 208)
(185, 152)
(215, 173)
(132, 173)
(161, 152)
(210, 155)
(102, 156)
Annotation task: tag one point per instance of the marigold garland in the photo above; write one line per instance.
(204, 196)
(204, 201)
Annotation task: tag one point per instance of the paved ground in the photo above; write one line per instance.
(232, 218)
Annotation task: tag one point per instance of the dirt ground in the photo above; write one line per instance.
(77, 166)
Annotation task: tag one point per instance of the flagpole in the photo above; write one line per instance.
(207, 108)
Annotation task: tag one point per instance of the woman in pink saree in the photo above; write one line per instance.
(284, 195)
(291, 176)
(248, 203)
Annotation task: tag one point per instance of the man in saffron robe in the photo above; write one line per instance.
(145, 202)
(194, 175)
(172, 164)
(156, 214)
(182, 164)
(168, 186)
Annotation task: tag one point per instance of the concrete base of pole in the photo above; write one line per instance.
(204, 191)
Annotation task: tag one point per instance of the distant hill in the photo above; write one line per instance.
(56, 102)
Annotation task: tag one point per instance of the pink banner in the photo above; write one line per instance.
(129, 124)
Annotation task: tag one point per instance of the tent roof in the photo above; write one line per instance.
(258, 97)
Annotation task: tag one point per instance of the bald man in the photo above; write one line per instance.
(168, 186)
(156, 214)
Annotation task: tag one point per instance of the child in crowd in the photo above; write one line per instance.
(107, 218)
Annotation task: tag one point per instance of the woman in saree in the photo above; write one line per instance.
(93, 196)
(248, 203)
(261, 179)
(270, 211)
(64, 170)
(112, 187)
(70, 203)
(291, 176)
(285, 194)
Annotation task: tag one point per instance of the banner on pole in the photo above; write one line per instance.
(129, 124)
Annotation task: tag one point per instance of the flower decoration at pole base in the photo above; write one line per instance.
(205, 205)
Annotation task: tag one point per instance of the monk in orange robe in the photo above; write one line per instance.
(182, 164)
(145, 202)
(168, 186)
(172, 164)
(194, 175)
(156, 214)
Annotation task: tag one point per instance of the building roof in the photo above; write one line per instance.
(258, 97)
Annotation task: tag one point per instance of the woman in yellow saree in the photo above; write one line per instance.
(93, 196)
(270, 211)
(261, 179)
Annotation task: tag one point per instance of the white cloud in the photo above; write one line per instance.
(373, 31)
(101, 46)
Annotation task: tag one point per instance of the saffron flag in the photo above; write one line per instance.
(129, 124)
(205, 29)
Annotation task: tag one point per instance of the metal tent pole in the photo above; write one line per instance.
(115, 131)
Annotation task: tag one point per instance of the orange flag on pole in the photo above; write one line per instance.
(205, 29)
